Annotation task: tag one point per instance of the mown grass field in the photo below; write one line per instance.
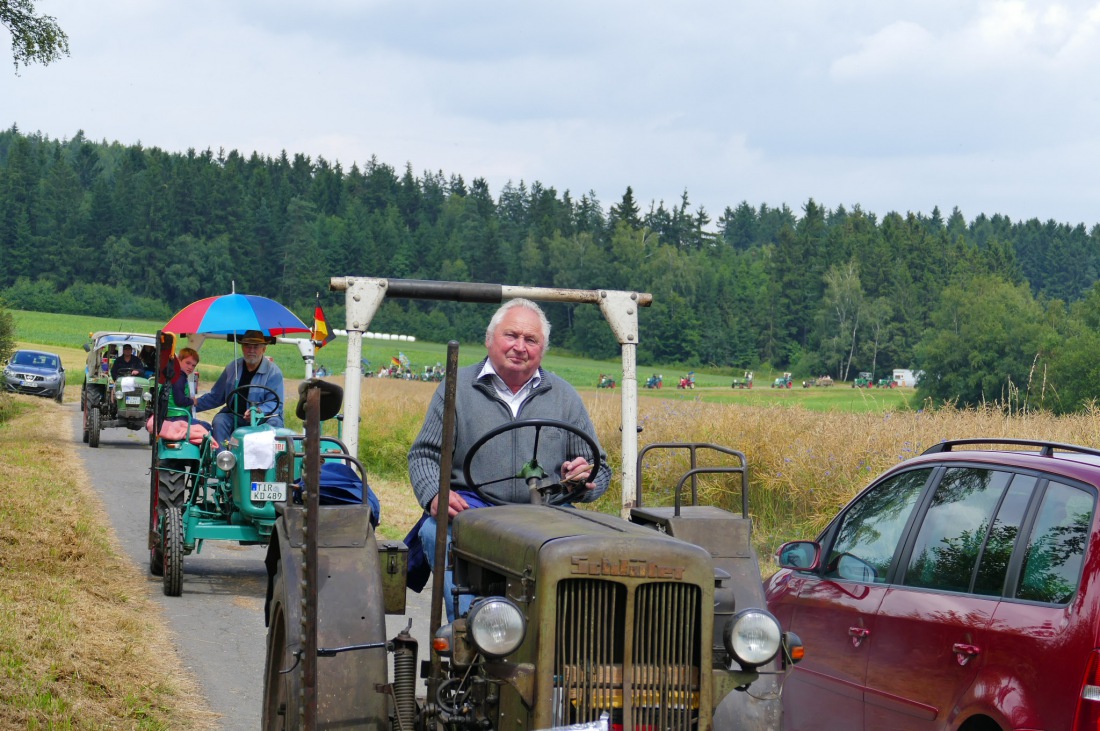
(66, 334)
(83, 646)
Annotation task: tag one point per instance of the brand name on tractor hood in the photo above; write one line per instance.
(629, 567)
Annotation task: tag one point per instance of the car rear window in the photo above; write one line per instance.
(1056, 546)
(997, 554)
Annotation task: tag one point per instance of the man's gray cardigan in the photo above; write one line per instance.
(478, 409)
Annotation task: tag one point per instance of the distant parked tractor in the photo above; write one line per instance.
(687, 381)
(887, 382)
(821, 381)
(432, 374)
(783, 381)
(743, 382)
(655, 381)
(865, 379)
(605, 381)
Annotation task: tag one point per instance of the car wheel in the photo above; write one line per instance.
(172, 536)
(93, 427)
(60, 396)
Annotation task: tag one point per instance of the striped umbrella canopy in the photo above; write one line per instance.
(235, 314)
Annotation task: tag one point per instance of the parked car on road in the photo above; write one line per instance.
(958, 591)
(35, 372)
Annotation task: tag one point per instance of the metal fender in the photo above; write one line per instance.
(350, 612)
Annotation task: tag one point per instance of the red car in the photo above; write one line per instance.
(956, 592)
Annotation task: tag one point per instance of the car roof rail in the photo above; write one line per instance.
(1046, 449)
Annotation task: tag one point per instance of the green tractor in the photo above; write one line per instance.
(744, 382)
(200, 490)
(783, 381)
(651, 619)
(605, 381)
(865, 379)
(108, 402)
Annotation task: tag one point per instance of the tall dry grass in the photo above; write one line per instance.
(82, 646)
(803, 466)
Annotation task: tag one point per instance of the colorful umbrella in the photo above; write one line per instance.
(235, 314)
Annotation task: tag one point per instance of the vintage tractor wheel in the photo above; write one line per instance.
(172, 537)
(169, 493)
(84, 418)
(93, 426)
(280, 703)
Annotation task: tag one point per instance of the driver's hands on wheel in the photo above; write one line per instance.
(575, 473)
(457, 504)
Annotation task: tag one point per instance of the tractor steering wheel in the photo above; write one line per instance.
(543, 486)
(242, 391)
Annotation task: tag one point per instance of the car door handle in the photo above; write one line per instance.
(858, 635)
(963, 652)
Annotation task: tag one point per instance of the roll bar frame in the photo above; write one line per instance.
(364, 295)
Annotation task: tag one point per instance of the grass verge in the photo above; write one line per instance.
(81, 644)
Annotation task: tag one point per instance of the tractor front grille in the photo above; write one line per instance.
(632, 652)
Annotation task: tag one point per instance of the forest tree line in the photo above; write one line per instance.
(990, 310)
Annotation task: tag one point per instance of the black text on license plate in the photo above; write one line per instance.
(265, 491)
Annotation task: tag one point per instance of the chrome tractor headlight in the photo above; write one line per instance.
(752, 637)
(226, 460)
(496, 626)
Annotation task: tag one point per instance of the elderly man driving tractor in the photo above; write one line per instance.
(505, 388)
(248, 380)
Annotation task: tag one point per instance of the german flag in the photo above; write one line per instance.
(321, 334)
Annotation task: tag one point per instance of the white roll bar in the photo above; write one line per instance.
(365, 295)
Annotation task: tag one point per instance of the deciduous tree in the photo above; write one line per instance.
(34, 38)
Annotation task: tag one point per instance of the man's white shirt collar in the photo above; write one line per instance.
(514, 400)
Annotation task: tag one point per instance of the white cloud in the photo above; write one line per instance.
(897, 106)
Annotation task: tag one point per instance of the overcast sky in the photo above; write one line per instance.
(895, 106)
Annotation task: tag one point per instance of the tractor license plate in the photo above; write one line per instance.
(133, 400)
(264, 491)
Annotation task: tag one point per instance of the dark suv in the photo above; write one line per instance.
(35, 372)
(956, 592)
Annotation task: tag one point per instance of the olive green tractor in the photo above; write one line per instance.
(650, 619)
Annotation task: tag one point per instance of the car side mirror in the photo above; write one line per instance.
(855, 568)
(799, 555)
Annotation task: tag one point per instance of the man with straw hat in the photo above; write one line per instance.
(251, 370)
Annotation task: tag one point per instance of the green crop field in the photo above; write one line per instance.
(66, 334)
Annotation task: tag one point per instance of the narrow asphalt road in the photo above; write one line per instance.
(218, 622)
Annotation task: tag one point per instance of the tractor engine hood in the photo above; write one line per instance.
(529, 540)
